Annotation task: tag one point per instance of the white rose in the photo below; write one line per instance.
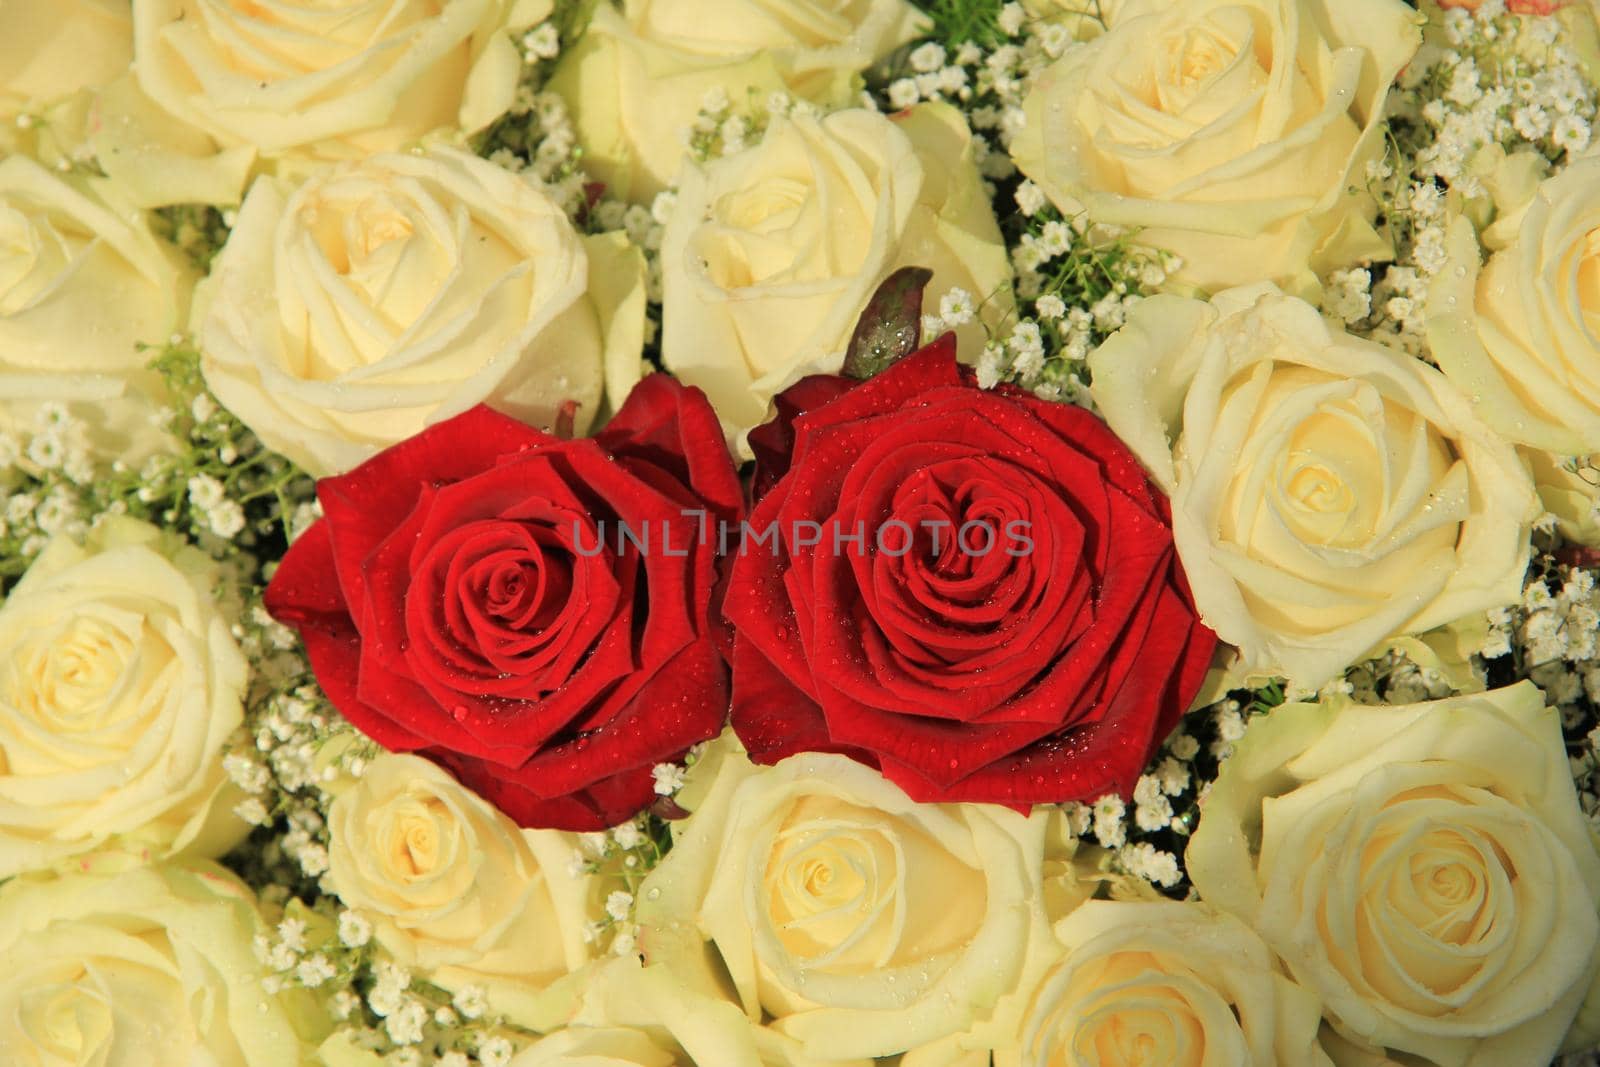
(1522, 337)
(771, 255)
(151, 966)
(454, 887)
(1327, 493)
(862, 923)
(1083, 19)
(1426, 869)
(1232, 132)
(339, 79)
(53, 48)
(1163, 983)
(348, 313)
(637, 79)
(644, 1017)
(82, 284)
(51, 53)
(119, 684)
(155, 160)
(1569, 489)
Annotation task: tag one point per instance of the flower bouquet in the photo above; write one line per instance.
(799, 533)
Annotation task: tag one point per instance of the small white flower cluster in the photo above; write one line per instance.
(410, 1023)
(725, 128)
(1499, 79)
(668, 778)
(536, 137)
(956, 309)
(1496, 84)
(281, 761)
(1388, 304)
(1347, 296)
(1553, 638)
(47, 482)
(625, 854)
(216, 485)
(329, 950)
(299, 955)
(539, 141)
(543, 42)
(989, 84)
(209, 498)
(645, 228)
(56, 441)
(1154, 865)
(1146, 838)
(1106, 821)
(1400, 297)
(1391, 678)
(1077, 283)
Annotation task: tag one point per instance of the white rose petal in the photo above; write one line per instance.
(1226, 130)
(862, 923)
(638, 77)
(1169, 983)
(1425, 869)
(1328, 494)
(333, 80)
(151, 966)
(449, 884)
(120, 685)
(773, 254)
(348, 313)
(82, 284)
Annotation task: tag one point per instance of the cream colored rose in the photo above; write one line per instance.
(1232, 132)
(338, 79)
(644, 1017)
(155, 160)
(54, 48)
(1084, 19)
(1569, 489)
(154, 965)
(51, 53)
(637, 79)
(771, 255)
(1327, 493)
(455, 888)
(1163, 983)
(82, 284)
(119, 684)
(862, 923)
(350, 312)
(1522, 337)
(1426, 869)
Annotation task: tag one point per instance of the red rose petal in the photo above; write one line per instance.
(300, 595)
(599, 806)
(364, 505)
(773, 442)
(1060, 667)
(673, 426)
(684, 702)
(779, 718)
(1089, 761)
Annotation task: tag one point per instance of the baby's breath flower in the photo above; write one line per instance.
(355, 930)
(668, 778)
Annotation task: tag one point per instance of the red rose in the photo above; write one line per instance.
(471, 596)
(1040, 658)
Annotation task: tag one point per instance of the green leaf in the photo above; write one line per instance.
(891, 327)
